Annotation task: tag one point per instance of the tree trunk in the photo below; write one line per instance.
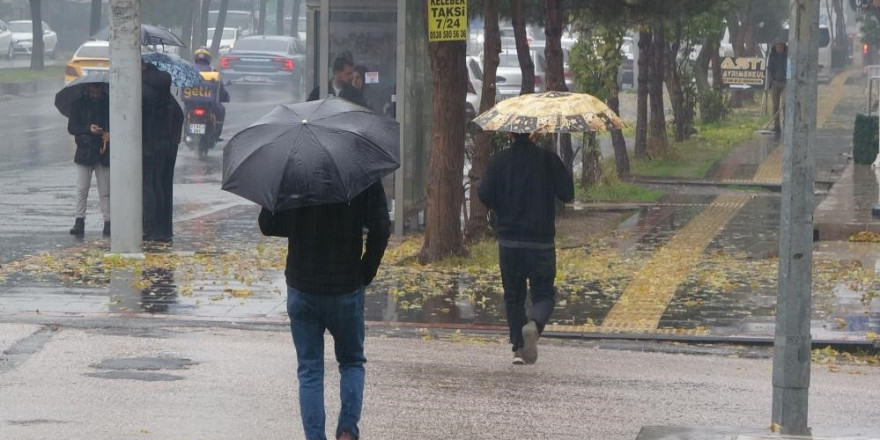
(742, 38)
(478, 223)
(279, 17)
(715, 57)
(674, 87)
(294, 18)
(187, 34)
(526, 65)
(640, 149)
(443, 234)
(218, 30)
(555, 74)
(618, 142)
(657, 139)
(95, 21)
(701, 68)
(203, 24)
(37, 27)
(591, 168)
(261, 24)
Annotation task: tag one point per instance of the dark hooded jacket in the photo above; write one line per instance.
(521, 185)
(162, 116)
(84, 112)
(777, 64)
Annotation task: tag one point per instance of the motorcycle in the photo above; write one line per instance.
(202, 128)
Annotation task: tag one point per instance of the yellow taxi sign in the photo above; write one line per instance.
(447, 20)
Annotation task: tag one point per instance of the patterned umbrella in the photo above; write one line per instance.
(183, 73)
(550, 112)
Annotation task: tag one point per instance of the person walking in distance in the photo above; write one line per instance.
(777, 71)
(327, 269)
(521, 186)
(89, 123)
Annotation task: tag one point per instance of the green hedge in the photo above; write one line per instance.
(865, 139)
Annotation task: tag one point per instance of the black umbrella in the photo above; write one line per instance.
(150, 36)
(77, 88)
(317, 152)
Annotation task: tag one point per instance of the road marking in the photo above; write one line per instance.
(647, 296)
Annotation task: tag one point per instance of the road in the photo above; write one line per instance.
(37, 167)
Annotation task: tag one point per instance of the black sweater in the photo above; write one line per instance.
(521, 185)
(325, 253)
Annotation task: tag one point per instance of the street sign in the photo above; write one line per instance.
(743, 71)
(447, 20)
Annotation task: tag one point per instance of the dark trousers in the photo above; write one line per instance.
(523, 270)
(158, 192)
(778, 89)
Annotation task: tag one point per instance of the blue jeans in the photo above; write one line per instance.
(523, 270)
(342, 315)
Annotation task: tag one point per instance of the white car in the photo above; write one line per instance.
(6, 45)
(227, 40)
(22, 36)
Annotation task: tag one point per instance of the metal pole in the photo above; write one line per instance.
(324, 62)
(791, 356)
(400, 115)
(126, 174)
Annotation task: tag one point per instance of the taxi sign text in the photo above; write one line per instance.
(447, 20)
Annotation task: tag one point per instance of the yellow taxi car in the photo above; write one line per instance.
(91, 56)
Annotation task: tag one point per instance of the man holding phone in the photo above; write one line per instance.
(89, 124)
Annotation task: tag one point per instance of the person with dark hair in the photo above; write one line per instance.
(162, 129)
(89, 124)
(343, 69)
(355, 92)
(521, 186)
(777, 71)
(328, 267)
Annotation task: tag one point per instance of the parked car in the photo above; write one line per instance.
(265, 60)
(566, 67)
(474, 87)
(7, 47)
(91, 56)
(227, 39)
(508, 81)
(23, 41)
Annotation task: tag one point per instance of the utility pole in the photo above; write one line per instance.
(792, 345)
(126, 172)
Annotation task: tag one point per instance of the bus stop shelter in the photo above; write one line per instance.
(389, 38)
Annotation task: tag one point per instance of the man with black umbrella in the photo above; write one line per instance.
(162, 124)
(89, 123)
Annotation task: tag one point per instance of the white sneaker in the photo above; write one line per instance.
(530, 343)
(517, 357)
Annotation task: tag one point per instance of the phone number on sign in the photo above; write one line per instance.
(449, 35)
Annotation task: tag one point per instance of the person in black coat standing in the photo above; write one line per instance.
(521, 186)
(777, 71)
(162, 125)
(89, 123)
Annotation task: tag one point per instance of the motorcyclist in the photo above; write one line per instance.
(202, 59)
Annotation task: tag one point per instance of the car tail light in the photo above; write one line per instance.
(470, 88)
(70, 70)
(568, 74)
(865, 49)
(539, 81)
(224, 62)
(286, 64)
(198, 111)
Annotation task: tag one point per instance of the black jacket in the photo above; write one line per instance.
(326, 252)
(521, 185)
(777, 65)
(83, 113)
(162, 116)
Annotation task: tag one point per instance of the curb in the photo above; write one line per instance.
(30, 87)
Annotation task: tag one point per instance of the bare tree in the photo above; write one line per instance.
(294, 18)
(657, 139)
(188, 24)
(646, 38)
(218, 27)
(95, 19)
(555, 75)
(261, 24)
(443, 232)
(279, 17)
(478, 224)
(204, 22)
(37, 28)
(526, 65)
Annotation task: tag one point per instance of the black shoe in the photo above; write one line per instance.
(106, 231)
(79, 227)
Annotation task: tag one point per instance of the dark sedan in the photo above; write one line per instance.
(265, 60)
